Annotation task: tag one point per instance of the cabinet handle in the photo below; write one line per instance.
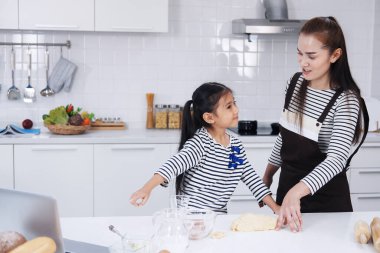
(242, 198)
(370, 197)
(131, 28)
(132, 148)
(55, 149)
(369, 172)
(56, 26)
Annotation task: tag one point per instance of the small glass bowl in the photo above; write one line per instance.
(200, 223)
(132, 243)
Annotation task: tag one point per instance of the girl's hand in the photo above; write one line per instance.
(277, 209)
(140, 197)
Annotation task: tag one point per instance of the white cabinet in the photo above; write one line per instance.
(6, 166)
(121, 169)
(131, 15)
(64, 172)
(365, 178)
(242, 199)
(68, 15)
(8, 14)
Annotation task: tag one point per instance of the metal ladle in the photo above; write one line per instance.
(13, 91)
(47, 92)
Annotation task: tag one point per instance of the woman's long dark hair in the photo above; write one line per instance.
(204, 99)
(328, 31)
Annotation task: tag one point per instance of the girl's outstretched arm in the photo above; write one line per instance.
(141, 196)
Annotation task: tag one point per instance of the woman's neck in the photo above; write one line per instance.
(219, 135)
(320, 84)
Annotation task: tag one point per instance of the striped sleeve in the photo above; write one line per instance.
(253, 181)
(345, 119)
(186, 158)
(275, 157)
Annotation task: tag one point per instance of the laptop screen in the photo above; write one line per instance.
(30, 214)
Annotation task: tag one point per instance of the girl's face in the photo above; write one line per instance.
(314, 59)
(227, 113)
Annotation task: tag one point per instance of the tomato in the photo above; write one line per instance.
(69, 108)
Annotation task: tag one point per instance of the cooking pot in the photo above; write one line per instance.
(247, 127)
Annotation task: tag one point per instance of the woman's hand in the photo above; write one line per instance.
(140, 197)
(290, 211)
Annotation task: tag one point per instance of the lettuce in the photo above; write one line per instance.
(57, 116)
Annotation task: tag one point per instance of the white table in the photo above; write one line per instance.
(332, 232)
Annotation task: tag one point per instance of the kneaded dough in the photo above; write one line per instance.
(252, 222)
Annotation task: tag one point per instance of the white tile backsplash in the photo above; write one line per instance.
(115, 70)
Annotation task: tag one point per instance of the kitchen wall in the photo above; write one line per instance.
(115, 70)
(375, 91)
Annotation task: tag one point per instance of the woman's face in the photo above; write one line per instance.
(315, 60)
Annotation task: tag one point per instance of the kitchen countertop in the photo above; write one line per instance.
(322, 232)
(129, 136)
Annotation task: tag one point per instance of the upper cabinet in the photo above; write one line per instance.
(131, 15)
(8, 14)
(85, 15)
(69, 15)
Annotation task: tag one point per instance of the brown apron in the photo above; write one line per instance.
(300, 155)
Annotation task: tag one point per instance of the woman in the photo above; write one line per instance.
(319, 125)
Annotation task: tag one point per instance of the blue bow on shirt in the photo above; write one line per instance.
(234, 159)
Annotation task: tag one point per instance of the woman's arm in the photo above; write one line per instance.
(269, 173)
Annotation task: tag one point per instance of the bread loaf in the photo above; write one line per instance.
(37, 245)
(362, 232)
(375, 227)
(10, 240)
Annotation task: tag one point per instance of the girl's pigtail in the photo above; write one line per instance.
(188, 130)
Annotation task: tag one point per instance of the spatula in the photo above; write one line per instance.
(29, 91)
(13, 91)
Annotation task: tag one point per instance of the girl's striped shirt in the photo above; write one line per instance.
(212, 171)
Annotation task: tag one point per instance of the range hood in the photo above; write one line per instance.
(276, 21)
(266, 26)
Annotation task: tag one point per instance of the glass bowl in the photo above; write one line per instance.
(200, 223)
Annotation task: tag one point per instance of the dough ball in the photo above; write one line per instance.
(10, 240)
(252, 222)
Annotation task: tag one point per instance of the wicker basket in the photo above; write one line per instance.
(67, 129)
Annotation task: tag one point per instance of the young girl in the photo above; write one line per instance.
(210, 162)
(319, 126)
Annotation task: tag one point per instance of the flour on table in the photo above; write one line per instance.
(217, 235)
(252, 222)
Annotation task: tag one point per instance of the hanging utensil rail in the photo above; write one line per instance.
(67, 44)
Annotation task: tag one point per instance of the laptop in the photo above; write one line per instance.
(35, 215)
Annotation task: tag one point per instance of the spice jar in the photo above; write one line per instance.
(174, 118)
(161, 120)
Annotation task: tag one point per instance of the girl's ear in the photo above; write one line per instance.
(208, 117)
(335, 55)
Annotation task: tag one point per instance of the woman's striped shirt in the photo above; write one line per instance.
(335, 137)
(210, 175)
